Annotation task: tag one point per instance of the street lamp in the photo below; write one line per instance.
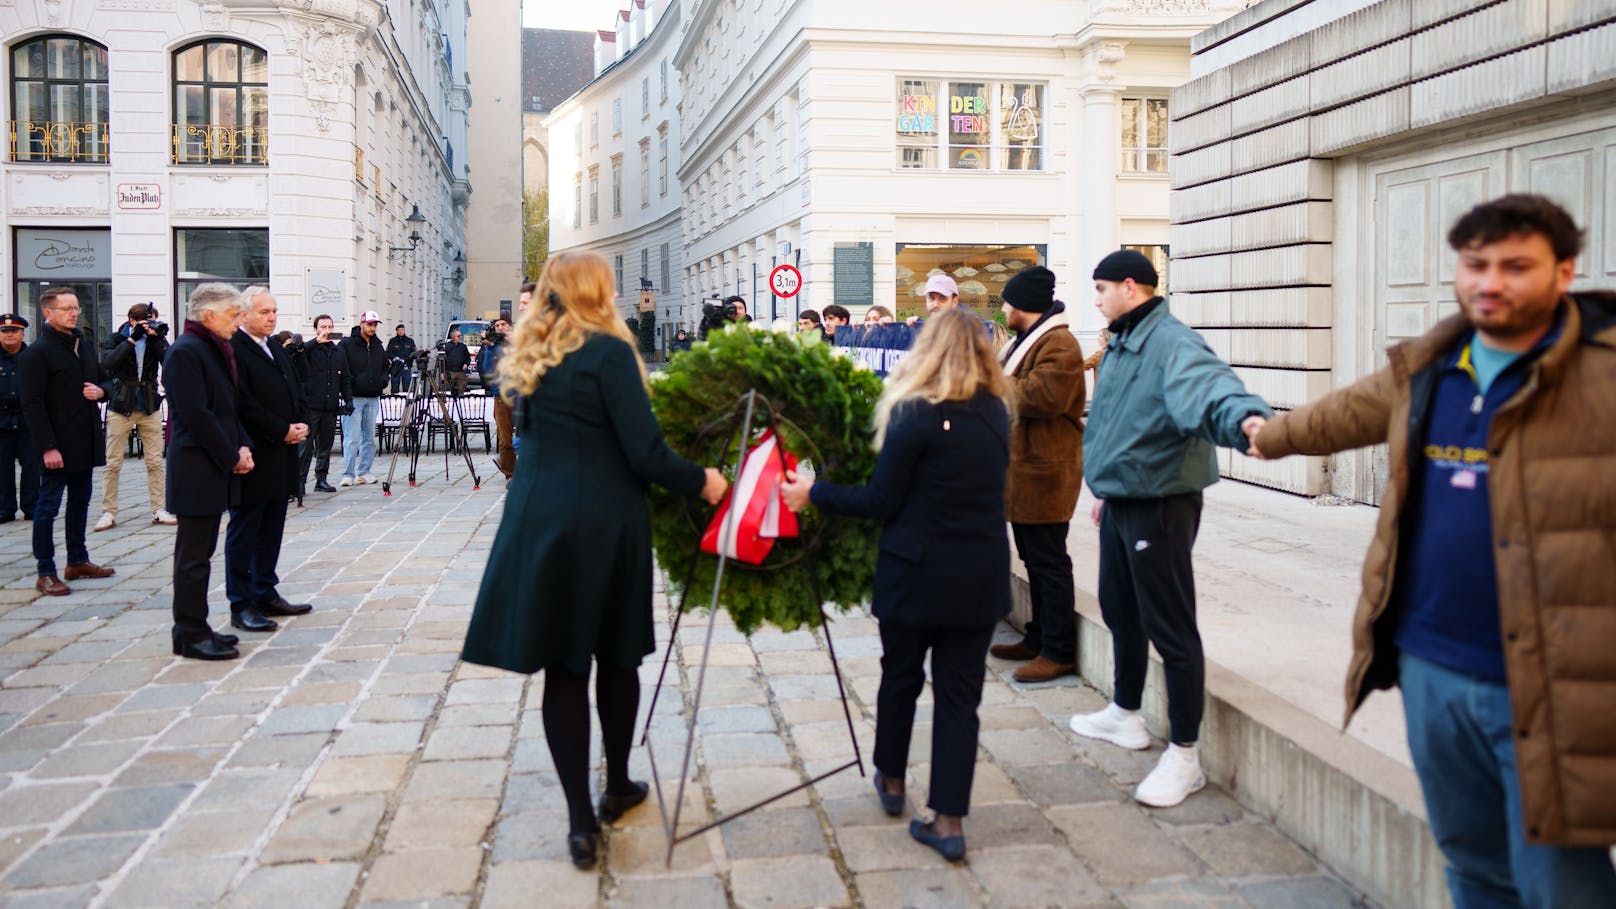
(415, 220)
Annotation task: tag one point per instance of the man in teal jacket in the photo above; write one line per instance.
(1162, 402)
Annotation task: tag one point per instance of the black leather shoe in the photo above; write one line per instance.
(890, 803)
(279, 606)
(323, 486)
(613, 807)
(226, 640)
(584, 847)
(205, 649)
(250, 619)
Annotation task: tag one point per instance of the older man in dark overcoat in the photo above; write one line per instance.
(208, 449)
(272, 413)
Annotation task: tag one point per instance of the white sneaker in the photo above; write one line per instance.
(345, 481)
(1125, 728)
(107, 521)
(1177, 774)
(162, 516)
(365, 478)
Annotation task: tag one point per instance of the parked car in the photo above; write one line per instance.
(471, 333)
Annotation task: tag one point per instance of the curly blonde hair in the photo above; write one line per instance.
(952, 360)
(575, 298)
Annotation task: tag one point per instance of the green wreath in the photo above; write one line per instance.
(825, 403)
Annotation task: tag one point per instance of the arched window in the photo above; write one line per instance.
(59, 100)
(221, 104)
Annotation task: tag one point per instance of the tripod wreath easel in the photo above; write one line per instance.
(425, 390)
(741, 432)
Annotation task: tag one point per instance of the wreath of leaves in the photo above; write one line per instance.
(825, 403)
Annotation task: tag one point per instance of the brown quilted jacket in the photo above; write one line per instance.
(1552, 491)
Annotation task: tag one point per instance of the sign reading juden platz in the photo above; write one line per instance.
(140, 197)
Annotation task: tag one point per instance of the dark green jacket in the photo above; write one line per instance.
(1163, 401)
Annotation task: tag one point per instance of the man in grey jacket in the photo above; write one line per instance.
(1162, 402)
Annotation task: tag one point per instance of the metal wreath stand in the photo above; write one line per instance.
(670, 826)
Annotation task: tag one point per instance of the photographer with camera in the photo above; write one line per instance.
(15, 445)
(494, 341)
(364, 379)
(400, 356)
(324, 375)
(133, 357)
(718, 314)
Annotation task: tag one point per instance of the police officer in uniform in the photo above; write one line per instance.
(15, 446)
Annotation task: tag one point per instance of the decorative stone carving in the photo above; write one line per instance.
(1167, 7)
(323, 111)
(1101, 61)
(214, 16)
(145, 6)
(53, 12)
(60, 175)
(60, 210)
(219, 212)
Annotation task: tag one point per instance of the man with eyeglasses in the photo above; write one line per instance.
(61, 383)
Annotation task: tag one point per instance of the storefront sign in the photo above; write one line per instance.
(327, 293)
(51, 254)
(140, 197)
(917, 114)
(967, 114)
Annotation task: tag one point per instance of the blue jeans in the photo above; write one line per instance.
(1460, 733)
(52, 483)
(359, 436)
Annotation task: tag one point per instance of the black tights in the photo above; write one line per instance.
(566, 728)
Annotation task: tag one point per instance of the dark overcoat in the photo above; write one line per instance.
(205, 431)
(270, 400)
(938, 486)
(54, 369)
(569, 575)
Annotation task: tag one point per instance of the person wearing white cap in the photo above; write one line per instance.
(941, 293)
(363, 383)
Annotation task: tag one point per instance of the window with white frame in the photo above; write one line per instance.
(578, 201)
(617, 116)
(970, 125)
(594, 194)
(645, 97)
(664, 77)
(1144, 135)
(645, 172)
(578, 137)
(594, 128)
(617, 185)
(662, 160)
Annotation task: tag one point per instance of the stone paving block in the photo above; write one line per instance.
(1028, 876)
(379, 738)
(887, 848)
(736, 789)
(75, 707)
(440, 902)
(745, 718)
(14, 844)
(118, 726)
(1246, 848)
(233, 703)
(60, 676)
(478, 715)
(1301, 893)
(191, 672)
(743, 749)
(321, 693)
(43, 803)
(352, 775)
(1013, 718)
(423, 873)
(73, 860)
(798, 713)
(468, 742)
(305, 886)
(177, 766)
(86, 760)
(513, 884)
(1183, 894)
(223, 730)
(529, 835)
(326, 829)
(1121, 844)
(310, 718)
(456, 779)
(216, 833)
(268, 656)
(294, 750)
(804, 687)
(830, 741)
(55, 898)
(348, 670)
(668, 893)
(396, 708)
(486, 691)
(805, 882)
(38, 738)
(932, 888)
(1026, 746)
(532, 755)
(642, 851)
(140, 808)
(120, 676)
(1125, 767)
(175, 883)
(774, 834)
(235, 788)
(440, 824)
(256, 679)
(1070, 783)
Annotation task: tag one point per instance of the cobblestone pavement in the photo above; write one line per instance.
(350, 759)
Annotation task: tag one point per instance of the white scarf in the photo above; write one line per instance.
(1011, 357)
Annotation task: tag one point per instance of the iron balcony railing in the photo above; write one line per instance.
(59, 141)
(201, 143)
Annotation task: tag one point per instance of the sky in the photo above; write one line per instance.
(580, 15)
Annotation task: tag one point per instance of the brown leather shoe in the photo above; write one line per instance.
(50, 585)
(87, 570)
(1042, 669)
(1017, 651)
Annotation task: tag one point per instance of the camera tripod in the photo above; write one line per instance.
(427, 389)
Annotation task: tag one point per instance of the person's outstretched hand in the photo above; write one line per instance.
(1251, 426)
(795, 491)
(713, 492)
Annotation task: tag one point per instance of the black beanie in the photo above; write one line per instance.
(1031, 290)
(1124, 264)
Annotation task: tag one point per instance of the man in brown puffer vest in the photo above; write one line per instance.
(1489, 592)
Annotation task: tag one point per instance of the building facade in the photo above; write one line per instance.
(555, 63)
(1322, 152)
(155, 146)
(493, 254)
(871, 146)
(614, 149)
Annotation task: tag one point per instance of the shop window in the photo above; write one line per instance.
(977, 125)
(59, 101)
(76, 258)
(980, 271)
(238, 256)
(1144, 135)
(221, 104)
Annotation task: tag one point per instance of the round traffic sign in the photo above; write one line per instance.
(785, 280)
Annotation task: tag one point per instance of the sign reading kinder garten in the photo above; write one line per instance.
(140, 197)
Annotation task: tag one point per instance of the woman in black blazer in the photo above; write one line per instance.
(942, 576)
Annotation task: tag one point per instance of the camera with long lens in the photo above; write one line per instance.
(292, 341)
(157, 329)
(716, 314)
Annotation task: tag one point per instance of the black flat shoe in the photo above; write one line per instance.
(891, 804)
(584, 848)
(250, 619)
(205, 649)
(949, 847)
(324, 487)
(613, 807)
(279, 606)
(226, 640)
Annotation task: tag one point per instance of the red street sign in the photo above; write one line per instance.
(785, 280)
